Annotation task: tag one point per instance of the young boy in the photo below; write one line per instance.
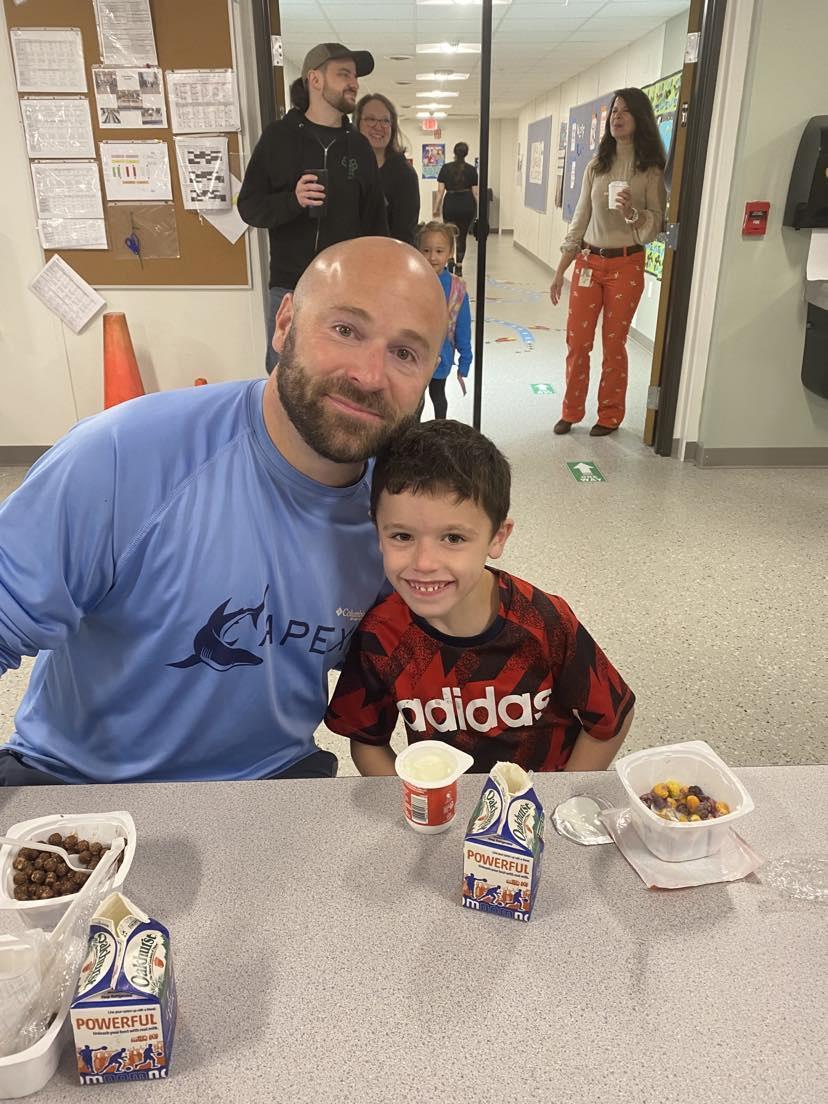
(465, 653)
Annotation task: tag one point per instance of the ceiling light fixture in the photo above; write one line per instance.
(437, 94)
(449, 48)
(443, 75)
(432, 114)
(458, 3)
(399, 57)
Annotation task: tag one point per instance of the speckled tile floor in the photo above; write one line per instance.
(707, 588)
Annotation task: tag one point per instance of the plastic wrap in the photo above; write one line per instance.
(149, 228)
(804, 877)
(42, 990)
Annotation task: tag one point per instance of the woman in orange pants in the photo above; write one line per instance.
(620, 210)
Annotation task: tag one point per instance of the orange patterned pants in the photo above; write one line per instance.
(615, 287)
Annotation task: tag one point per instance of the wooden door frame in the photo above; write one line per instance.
(266, 23)
(695, 112)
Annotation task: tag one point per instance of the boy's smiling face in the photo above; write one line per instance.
(435, 549)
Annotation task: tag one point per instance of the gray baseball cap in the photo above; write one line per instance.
(330, 51)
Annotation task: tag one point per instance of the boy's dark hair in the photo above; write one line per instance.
(445, 456)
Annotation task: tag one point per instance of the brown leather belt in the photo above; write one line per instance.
(615, 252)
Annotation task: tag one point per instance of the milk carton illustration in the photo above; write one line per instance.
(123, 1011)
(503, 846)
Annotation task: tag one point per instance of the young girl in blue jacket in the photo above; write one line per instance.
(435, 240)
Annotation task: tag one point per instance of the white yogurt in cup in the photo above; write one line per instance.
(429, 770)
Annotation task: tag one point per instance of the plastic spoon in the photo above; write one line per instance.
(72, 861)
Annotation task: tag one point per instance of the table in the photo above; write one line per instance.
(321, 954)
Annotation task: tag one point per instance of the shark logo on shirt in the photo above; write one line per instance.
(214, 643)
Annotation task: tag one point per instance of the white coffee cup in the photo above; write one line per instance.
(615, 187)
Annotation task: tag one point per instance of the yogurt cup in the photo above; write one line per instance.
(429, 771)
(615, 186)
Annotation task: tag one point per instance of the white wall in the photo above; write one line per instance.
(48, 376)
(753, 395)
(656, 55)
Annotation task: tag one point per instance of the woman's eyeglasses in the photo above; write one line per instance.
(371, 120)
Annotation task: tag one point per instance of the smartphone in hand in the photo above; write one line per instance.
(321, 178)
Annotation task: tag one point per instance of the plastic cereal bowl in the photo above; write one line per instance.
(694, 763)
(96, 827)
(29, 1070)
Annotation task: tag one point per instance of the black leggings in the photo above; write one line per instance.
(460, 208)
(437, 394)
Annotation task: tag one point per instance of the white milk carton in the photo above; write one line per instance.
(123, 1011)
(503, 846)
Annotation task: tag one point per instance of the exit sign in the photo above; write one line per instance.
(429, 124)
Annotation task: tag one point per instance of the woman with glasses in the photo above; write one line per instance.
(375, 117)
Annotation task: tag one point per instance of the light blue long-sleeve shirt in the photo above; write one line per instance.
(187, 591)
(462, 337)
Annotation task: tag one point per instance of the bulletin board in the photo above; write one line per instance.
(538, 143)
(189, 34)
(664, 95)
(586, 126)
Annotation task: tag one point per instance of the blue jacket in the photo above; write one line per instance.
(462, 336)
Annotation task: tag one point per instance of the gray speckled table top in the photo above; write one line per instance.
(327, 958)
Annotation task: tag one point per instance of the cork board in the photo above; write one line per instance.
(189, 34)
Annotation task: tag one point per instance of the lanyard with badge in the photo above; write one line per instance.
(585, 275)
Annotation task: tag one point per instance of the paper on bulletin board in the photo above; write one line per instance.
(136, 170)
(67, 233)
(152, 225)
(130, 99)
(203, 173)
(66, 294)
(229, 222)
(48, 59)
(125, 32)
(67, 189)
(203, 100)
(57, 126)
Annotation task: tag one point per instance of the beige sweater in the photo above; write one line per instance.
(593, 221)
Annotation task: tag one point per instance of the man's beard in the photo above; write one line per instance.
(339, 437)
(342, 102)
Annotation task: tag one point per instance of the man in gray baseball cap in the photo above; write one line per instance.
(320, 55)
(313, 180)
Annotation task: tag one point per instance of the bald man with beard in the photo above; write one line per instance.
(190, 565)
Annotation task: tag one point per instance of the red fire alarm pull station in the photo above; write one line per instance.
(756, 220)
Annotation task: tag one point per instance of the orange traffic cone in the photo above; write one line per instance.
(122, 380)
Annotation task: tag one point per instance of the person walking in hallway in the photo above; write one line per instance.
(376, 119)
(457, 195)
(313, 180)
(435, 240)
(620, 210)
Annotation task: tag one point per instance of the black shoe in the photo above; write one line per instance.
(599, 430)
(561, 427)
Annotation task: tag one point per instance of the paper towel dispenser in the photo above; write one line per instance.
(807, 203)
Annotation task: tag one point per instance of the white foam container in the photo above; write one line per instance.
(95, 827)
(693, 763)
(29, 1070)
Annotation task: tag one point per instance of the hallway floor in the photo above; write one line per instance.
(706, 588)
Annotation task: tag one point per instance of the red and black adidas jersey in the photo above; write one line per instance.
(520, 692)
